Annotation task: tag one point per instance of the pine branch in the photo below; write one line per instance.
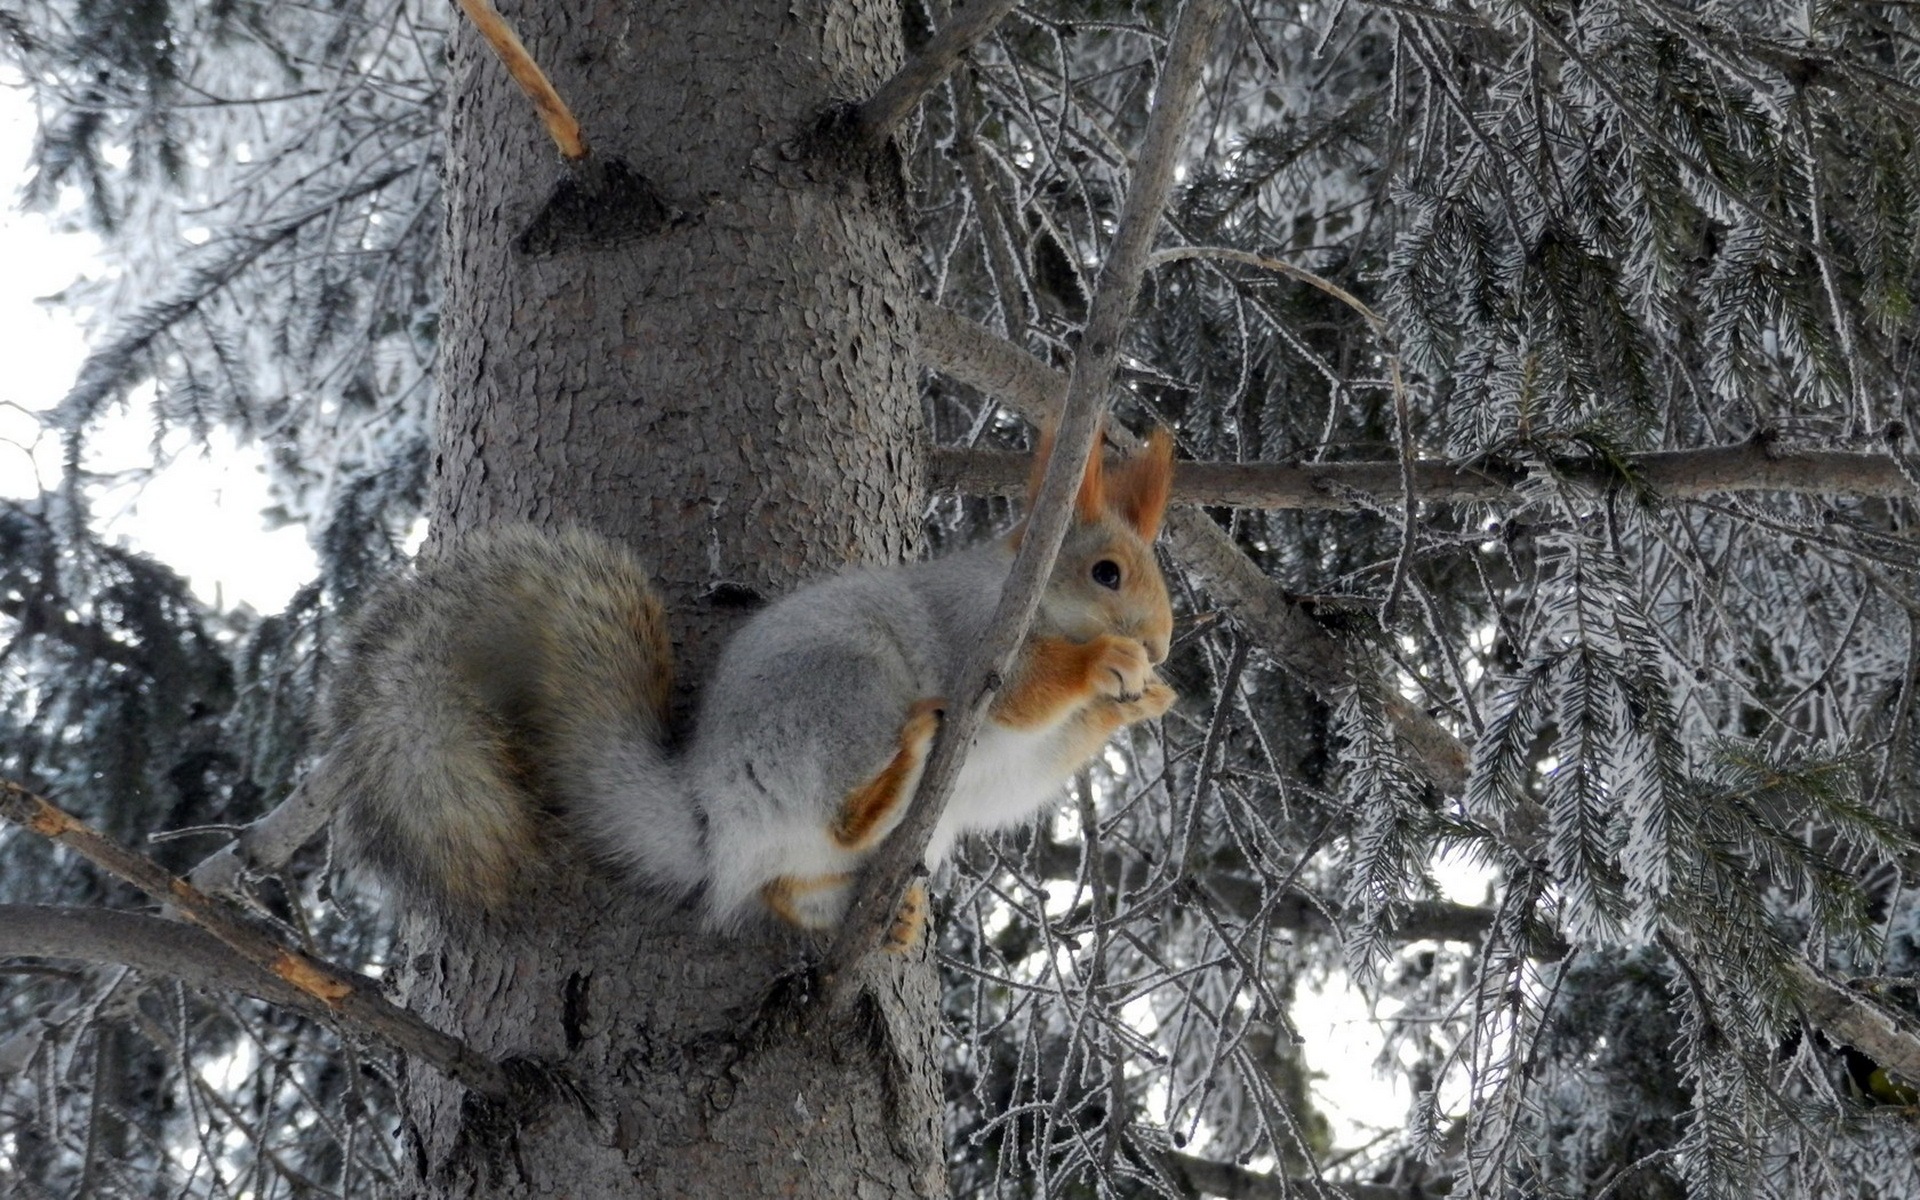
(107, 367)
(900, 95)
(341, 994)
(35, 617)
(885, 877)
(1747, 466)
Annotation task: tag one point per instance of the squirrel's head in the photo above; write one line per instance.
(1106, 579)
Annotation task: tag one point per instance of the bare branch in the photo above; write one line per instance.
(561, 124)
(266, 845)
(343, 994)
(885, 877)
(1849, 1017)
(147, 943)
(900, 95)
(1674, 474)
(1279, 267)
(983, 360)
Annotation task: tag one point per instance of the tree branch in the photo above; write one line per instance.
(1847, 1016)
(267, 844)
(900, 95)
(340, 993)
(1672, 474)
(885, 877)
(147, 943)
(561, 124)
(983, 360)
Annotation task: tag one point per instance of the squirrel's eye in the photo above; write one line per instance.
(1106, 573)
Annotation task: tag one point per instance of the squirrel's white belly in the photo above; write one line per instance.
(1008, 775)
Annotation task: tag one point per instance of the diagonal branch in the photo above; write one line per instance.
(562, 126)
(342, 994)
(900, 95)
(885, 877)
(1749, 466)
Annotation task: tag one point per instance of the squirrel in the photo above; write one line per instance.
(518, 686)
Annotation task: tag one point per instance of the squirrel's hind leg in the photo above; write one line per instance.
(871, 810)
(809, 902)
(867, 814)
(817, 902)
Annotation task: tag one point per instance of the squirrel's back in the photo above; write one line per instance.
(524, 665)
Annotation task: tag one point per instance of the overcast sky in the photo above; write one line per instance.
(202, 514)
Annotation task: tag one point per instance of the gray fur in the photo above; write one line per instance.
(509, 672)
(479, 687)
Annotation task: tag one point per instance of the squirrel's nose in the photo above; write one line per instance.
(1156, 645)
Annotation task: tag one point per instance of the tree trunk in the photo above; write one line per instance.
(728, 382)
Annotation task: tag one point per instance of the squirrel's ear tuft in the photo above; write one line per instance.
(1141, 486)
(1091, 502)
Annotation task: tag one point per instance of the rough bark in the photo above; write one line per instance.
(727, 382)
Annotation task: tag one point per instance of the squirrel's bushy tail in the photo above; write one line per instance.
(519, 675)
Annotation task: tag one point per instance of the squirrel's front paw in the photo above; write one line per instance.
(1154, 700)
(1121, 668)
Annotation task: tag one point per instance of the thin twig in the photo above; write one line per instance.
(554, 113)
(1175, 254)
(886, 875)
(347, 996)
